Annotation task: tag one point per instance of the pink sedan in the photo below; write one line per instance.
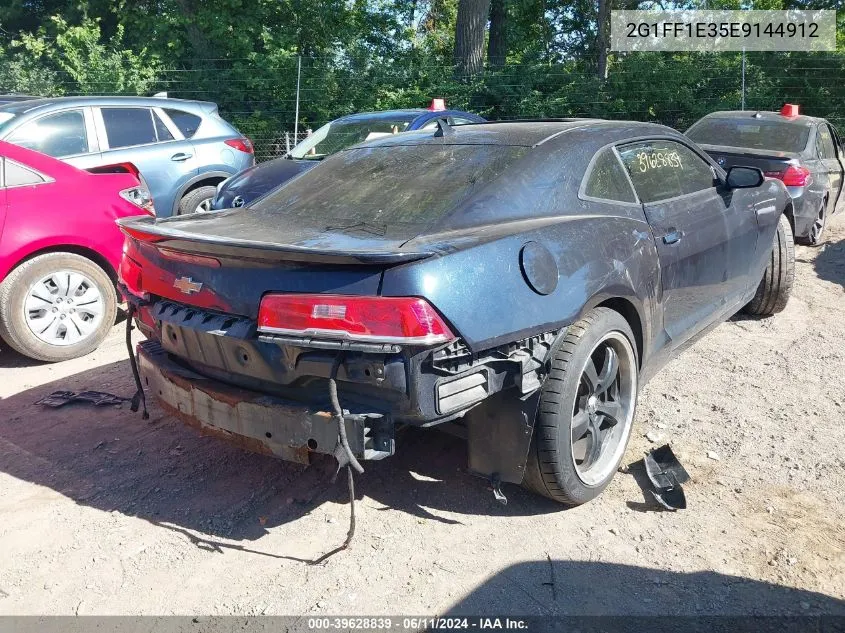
(59, 250)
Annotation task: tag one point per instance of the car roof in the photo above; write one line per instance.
(49, 103)
(408, 114)
(527, 133)
(763, 115)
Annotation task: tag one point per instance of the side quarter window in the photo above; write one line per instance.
(16, 175)
(606, 179)
(187, 123)
(662, 169)
(58, 135)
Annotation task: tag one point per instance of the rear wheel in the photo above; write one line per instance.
(56, 306)
(586, 410)
(197, 200)
(776, 285)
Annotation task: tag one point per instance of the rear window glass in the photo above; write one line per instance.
(339, 135)
(378, 187)
(778, 136)
(126, 127)
(187, 123)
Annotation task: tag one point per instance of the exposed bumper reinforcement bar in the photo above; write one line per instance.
(260, 423)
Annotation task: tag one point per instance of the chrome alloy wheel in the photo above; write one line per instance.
(64, 308)
(604, 408)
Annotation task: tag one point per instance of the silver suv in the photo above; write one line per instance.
(183, 149)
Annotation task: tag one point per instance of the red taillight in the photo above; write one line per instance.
(129, 272)
(139, 196)
(241, 144)
(379, 319)
(794, 176)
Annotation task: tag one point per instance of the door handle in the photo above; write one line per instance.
(181, 156)
(673, 236)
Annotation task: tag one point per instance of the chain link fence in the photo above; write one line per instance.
(670, 88)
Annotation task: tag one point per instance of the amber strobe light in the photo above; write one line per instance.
(380, 319)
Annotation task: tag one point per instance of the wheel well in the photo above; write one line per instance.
(629, 312)
(211, 181)
(87, 253)
(790, 215)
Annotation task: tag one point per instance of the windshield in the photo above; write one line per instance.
(374, 189)
(777, 136)
(338, 135)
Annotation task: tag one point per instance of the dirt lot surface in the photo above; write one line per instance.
(104, 513)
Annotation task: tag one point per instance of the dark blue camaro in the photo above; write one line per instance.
(254, 182)
(520, 279)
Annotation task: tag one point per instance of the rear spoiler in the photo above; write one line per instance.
(146, 230)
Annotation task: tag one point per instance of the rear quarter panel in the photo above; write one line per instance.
(63, 214)
(602, 252)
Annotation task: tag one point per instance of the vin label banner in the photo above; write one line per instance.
(713, 31)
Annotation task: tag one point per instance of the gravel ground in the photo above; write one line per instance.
(104, 513)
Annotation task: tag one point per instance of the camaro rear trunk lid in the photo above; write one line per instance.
(769, 162)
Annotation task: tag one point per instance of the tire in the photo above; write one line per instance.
(81, 326)
(776, 285)
(816, 235)
(191, 201)
(552, 468)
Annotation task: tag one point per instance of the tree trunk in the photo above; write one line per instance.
(603, 38)
(469, 36)
(198, 40)
(497, 48)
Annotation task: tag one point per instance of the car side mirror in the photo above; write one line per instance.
(744, 177)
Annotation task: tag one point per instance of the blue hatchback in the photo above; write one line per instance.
(339, 134)
(183, 149)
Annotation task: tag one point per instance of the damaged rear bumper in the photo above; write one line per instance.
(258, 422)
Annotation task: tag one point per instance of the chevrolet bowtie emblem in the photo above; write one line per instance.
(187, 286)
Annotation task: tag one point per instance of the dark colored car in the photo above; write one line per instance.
(804, 152)
(523, 279)
(339, 134)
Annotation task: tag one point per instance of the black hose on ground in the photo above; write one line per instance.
(138, 398)
(351, 484)
(352, 461)
(338, 413)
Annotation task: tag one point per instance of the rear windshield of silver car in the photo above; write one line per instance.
(382, 186)
(777, 136)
